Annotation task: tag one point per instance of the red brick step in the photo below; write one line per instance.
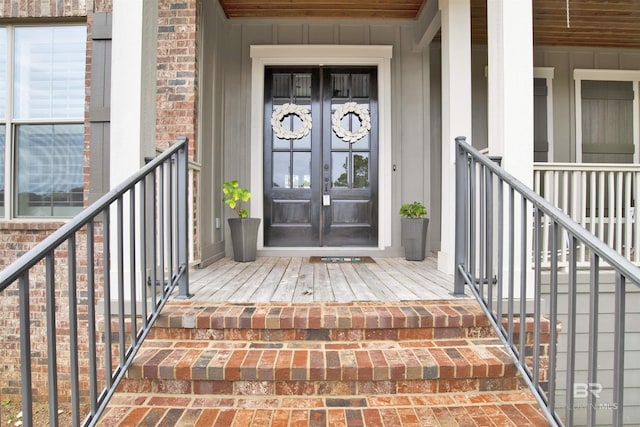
(508, 408)
(401, 363)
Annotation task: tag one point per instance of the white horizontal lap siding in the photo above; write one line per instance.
(606, 343)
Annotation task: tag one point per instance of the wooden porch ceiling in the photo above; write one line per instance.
(600, 23)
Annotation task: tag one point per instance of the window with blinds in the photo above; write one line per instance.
(43, 121)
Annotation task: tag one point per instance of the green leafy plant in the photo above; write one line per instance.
(234, 196)
(413, 210)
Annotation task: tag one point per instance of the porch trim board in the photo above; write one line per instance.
(319, 55)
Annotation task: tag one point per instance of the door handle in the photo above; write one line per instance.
(326, 178)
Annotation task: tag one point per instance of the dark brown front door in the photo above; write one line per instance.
(321, 156)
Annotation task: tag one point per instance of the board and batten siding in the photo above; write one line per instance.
(606, 344)
(225, 120)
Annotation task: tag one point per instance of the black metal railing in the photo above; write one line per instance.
(105, 276)
(564, 327)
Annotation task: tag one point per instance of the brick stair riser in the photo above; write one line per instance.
(232, 334)
(319, 388)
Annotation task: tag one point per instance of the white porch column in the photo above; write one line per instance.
(132, 86)
(456, 111)
(133, 103)
(510, 87)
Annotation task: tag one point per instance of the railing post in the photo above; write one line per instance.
(182, 219)
(462, 197)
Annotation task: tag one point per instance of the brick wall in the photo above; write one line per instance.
(177, 84)
(177, 90)
(18, 236)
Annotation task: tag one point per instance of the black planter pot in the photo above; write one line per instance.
(414, 238)
(244, 238)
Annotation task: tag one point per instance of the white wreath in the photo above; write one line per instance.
(363, 116)
(283, 111)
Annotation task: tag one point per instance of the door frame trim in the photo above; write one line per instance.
(319, 55)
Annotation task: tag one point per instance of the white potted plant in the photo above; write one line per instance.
(244, 230)
(414, 230)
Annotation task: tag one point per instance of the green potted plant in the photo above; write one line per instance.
(414, 230)
(244, 230)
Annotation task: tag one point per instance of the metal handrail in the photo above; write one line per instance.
(139, 226)
(498, 254)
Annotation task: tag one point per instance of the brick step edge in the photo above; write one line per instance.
(492, 408)
(321, 365)
(323, 316)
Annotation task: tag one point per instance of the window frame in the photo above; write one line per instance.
(11, 153)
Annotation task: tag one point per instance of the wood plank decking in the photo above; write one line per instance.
(296, 279)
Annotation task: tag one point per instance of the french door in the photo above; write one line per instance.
(321, 156)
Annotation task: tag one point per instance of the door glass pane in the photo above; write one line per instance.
(340, 169)
(360, 85)
(362, 143)
(301, 170)
(340, 86)
(49, 72)
(281, 85)
(338, 143)
(302, 85)
(296, 124)
(350, 122)
(360, 170)
(281, 170)
(49, 170)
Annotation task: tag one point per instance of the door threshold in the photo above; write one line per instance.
(350, 251)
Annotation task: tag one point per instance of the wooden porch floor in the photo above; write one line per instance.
(296, 279)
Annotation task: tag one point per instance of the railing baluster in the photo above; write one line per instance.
(523, 280)
(537, 285)
(106, 268)
(571, 330)
(602, 191)
(73, 330)
(161, 227)
(553, 317)
(636, 229)
(627, 217)
(132, 263)
(594, 313)
(489, 237)
(611, 209)
(52, 353)
(472, 220)
(617, 214)
(512, 261)
(154, 240)
(91, 313)
(25, 349)
(144, 213)
(120, 273)
(618, 350)
(500, 282)
(170, 223)
(482, 230)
